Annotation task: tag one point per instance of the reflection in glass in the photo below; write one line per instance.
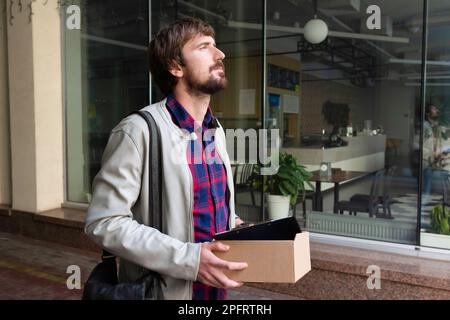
(356, 109)
(435, 220)
(353, 101)
(106, 77)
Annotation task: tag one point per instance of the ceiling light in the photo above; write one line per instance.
(316, 30)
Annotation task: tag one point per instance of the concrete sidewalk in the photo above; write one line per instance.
(37, 270)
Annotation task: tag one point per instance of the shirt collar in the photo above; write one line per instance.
(184, 120)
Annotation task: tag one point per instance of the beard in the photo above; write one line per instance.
(210, 86)
(433, 117)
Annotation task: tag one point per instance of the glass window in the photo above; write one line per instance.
(106, 77)
(238, 27)
(349, 109)
(346, 105)
(436, 131)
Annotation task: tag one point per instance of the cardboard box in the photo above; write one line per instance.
(280, 261)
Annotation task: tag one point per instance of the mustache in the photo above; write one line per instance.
(218, 65)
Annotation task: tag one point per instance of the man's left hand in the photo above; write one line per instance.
(238, 222)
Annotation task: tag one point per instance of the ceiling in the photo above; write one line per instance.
(238, 26)
(393, 58)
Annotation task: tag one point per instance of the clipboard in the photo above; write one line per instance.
(280, 229)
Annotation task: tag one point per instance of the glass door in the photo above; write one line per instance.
(435, 220)
(339, 76)
(106, 77)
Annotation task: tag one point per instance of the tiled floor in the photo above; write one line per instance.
(37, 270)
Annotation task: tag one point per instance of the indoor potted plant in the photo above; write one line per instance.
(439, 234)
(284, 187)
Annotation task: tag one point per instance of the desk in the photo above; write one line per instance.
(337, 176)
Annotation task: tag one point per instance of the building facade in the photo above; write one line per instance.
(69, 72)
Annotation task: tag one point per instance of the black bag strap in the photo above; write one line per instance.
(155, 182)
(154, 178)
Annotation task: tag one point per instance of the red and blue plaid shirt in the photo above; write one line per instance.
(210, 210)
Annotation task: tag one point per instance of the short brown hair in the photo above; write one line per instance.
(166, 46)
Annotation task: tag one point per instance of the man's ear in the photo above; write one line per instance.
(176, 70)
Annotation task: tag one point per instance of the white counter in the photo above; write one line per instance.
(363, 153)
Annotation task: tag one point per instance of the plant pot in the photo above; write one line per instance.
(278, 206)
(434, 240)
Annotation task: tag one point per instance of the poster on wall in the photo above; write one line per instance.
(290, 103)
(274, 100)
(247, 101)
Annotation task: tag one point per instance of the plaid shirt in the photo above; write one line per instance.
(210, 208)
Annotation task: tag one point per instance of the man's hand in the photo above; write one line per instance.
(211, 269)
(438, 157)
(238, 222)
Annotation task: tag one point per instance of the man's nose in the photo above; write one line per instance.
(220, 54)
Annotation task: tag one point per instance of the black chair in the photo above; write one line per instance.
(364, 203)
(385, 197)
(241, 173)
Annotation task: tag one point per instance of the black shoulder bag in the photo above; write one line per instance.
(103, 283)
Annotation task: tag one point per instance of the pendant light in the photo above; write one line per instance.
(316, 30)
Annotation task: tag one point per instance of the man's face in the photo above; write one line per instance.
(434, 113)
(203, 69)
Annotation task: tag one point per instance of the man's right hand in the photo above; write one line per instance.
(211, 269)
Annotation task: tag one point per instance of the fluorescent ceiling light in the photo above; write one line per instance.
(418, 62)
(429, 73)
(113, 42)
(442, 18)
(429, 77)
(193, 6)
(255, 26)
(437, 84)
(338, 34)
(343, 25)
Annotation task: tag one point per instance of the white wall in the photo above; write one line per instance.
(35, 93)
(315, 93)
(395, 110)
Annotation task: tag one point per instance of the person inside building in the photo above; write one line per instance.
(435, 154)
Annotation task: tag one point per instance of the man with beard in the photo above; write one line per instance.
(197, 183)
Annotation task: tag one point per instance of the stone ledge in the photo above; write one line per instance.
(322, 284)
(64, 216)
(411, 270)
(339, 272)
(63, 226)
(5, 211)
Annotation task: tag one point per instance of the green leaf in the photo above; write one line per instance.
(284, 175)
(283, 190)
(289, 187)
(440, 216)
(293, 200)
